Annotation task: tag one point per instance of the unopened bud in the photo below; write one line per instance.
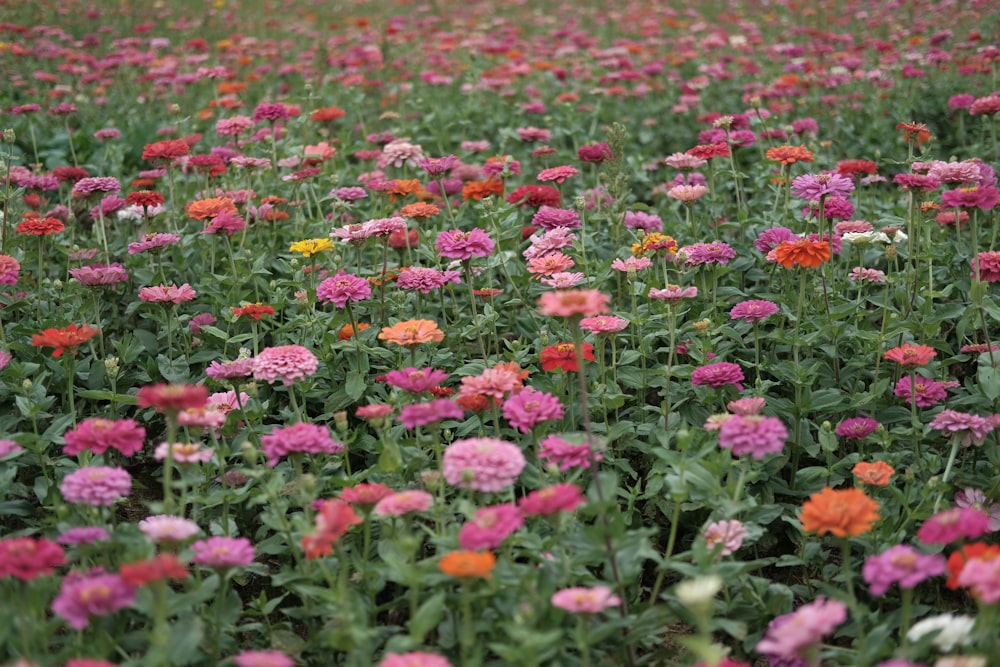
(111, 366)
(340, 420)
(9, 135)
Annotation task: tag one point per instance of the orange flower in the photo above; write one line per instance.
(842, 512)
(203, 209)
(914, 133)
(873, 474)
(64, 339)
(787, 155)
(347, 331)
(412, 332)
(254, 310)
(479, 189)
(908, 355)
(419, 210)
(468, 564)
(804, 252)
(404, 187)
(327, 114)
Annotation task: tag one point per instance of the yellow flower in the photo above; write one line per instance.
(311, 246)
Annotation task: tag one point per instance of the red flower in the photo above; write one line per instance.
(144, 198)
(333, 521)
(965, 553)
(162, 566)
(908, 355)
(40, 226)
(563, 356)
(28, 558)
(166, 150)
(534, 196)
(254, 310)
(64, 339)
(172, 397)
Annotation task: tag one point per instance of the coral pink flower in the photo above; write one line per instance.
(404, 502)
(262, 659)
(165, 294)
(579, 600)
(365, 495)
(99, 435)
(603, 324)
(494, 382)
(987, 264)
(482, 464)
(550, 264)
(99, 486)
(557, 174)
(565, 454)
(222, 552)
(287, 363)
(574, 303)
(551, 499)
(490, 527)
(172, 397)
(909, 355)
(728, 534)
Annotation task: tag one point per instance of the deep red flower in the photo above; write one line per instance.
(535, 196)
(254, 310)
(28, 558)
(144, 198)
(64, 339)
(40, 226)
(166, 150)
(563, 356)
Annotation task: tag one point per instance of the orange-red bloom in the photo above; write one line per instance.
(334, 520)
(40, 226)
(841, 512)
(908, 355)
(412, 332)
(254, 310)
(914, 133)
(468, 564)
(479, 189)
(965, 553)
(209, 208)
(327, 114)
(873, 474)
(419, 210)
(804, 252)
(563, 356)
(789, 154)
(347, 331)
(166, 150)
(162, 566)
(64, 339)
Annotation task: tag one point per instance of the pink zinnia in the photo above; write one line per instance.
(769, 239)
(687, 194)
(431, 412)
(753, 311)
(83, 535)
(987, 264)
(550, 242)
(287, 363)
(793, 635)
(562, 280)
(903, 564)
(230, 370)
(100, 275)
(746, 406)
(970, 429)
(365, 495)
(86, 595)
(715, 252)
(220, 552)
(296, 439)
(529, 407)
(416, 380)
(579, 600)
(167, 294)
(404, 502)
(263, 659)
(166, 528)
(813, 187)
(673, 294)
(494, 382)
(9, 270)
(424, 280)
(172, 397)
(490, 527)
(863, 274)
(557, 174)
(603, 324)
(756, 435)
(342, 288)
(271, 111)
(550, 264)
(954, 524)
(152, 242)
(482, 464)
(728, 534)
(456, 244)
(566, 454)
(928, 392)
(982, 575)
(99, 435)
(856, 428)
(414, 659)
(551, 499)
(548, 217)
(574, 303)
(718, 375)
(99, 486)
(647, 222)
(631, 264)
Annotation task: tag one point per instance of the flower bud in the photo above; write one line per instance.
(111, 366)
(340, 420)
(9, 136)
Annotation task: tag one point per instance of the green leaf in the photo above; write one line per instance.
(428, 617)
(988, 377)
(185, 638)
(103, 395)
(356, 384)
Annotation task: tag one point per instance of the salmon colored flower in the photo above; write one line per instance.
(203, 209)
(40, 226)
(806, 253)
(841, 512)
(412, 332)
(908, 355)
(787, 155)
(419, 210)
(69, 337)
(161, 566)
(873, 474)
(468, 564)
(254, 310)
(347, 331)
(574, 303)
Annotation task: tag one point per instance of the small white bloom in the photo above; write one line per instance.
(698, 592)
(954, 630)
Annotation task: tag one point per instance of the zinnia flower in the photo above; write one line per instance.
(908, 355)
(841, 512)
(86, 595)
(954, 524)
(900, 564)
(579, 600)
(298, 438)
(457, 244)
(873, 474)
(528, 407)
(99, 486)
(756, 435)
(98, 435)
(718, 375)
(490, 527)
(574, 303)
(567, 454)
(468, 564)
(802, 252)
(342, 288)
(563, 356)
(727, 534)
(287, 363)
(68, 338)
(792, 636)
(223, 552)
(412, 332)
(27, 558)
(482, 464)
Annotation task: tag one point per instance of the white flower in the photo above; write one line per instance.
(698, 592)
(951, 630)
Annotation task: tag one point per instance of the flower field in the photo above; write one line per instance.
(452, 334)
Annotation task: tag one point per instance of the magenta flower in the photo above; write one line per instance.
(416, 380)
(594, 153)
(954, 524)
(296, 439)
(813, 187)
(565, 454)
(983, 197)
(83, 535)
(927, 392)
(579, 600)
(548, 217)
(856, 428)
(718, 375)
(968, 428)
(95, 185)
(673, 294)
(490, 527)
(223, 552)
(100, 275)
(165, 294)
(457, 244)
(86, 595)
(796, 634)
(414, 659)
(727, 534)
(435, 166)
(99, 435)
(551, 499)
(528, 407)
(287, 363)
(263, 659)
(756, 435)
(342, 288)
(715, 252)
(482, 464)
(271, 111)
(769, 239)
(404, 502)
(152, 242)
(431, 412)
(99, 486)
(648, 222)
(753, 311)
(901, 564)
(424, 280)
